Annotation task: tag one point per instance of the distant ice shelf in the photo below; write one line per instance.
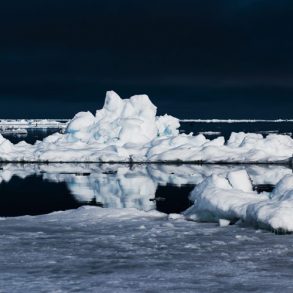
(17, 131)
(236, 120)
(9, 124)
(210, 132)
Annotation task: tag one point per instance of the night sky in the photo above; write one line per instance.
(195, 59)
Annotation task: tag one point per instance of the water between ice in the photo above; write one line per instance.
(210, 130)
(214, 129)
(33, 134)
(33, 189)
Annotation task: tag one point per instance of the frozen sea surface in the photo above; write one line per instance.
(129, 246)
(109, 250)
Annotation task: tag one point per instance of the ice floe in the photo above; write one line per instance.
(109, 250)
(230, 198)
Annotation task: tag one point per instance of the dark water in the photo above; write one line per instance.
(34, 189)
(172, 198)
(225, 129)
(32, 136)
(34, 195)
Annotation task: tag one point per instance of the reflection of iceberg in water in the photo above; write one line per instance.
(123, 189)
(125, 186)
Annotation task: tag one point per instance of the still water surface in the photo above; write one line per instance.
(33, 189)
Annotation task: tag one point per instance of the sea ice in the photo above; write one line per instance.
(125, 250)
(130, 250)
(219, 198)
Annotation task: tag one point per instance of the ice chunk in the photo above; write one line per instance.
(240, 180)
(284, 187)
(167, 125)
(224, 222)
(213, 201)
(175, 217)
(81, 121)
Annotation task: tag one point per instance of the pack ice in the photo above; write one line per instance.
(128, 130)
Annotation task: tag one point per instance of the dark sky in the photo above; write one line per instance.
(195, 59)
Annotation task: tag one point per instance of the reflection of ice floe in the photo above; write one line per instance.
(16, 131)
(160, 173)
(123, 189)
(222, 193)
(194, 174)
(120, 186)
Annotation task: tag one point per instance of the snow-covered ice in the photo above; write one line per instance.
(129, 247)
(13, 124)
(125, 250)
(128, 130)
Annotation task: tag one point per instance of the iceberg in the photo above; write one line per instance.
(128, 130)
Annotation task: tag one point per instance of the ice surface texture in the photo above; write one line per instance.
(128, 130)
(126, 250)
(109, 250)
